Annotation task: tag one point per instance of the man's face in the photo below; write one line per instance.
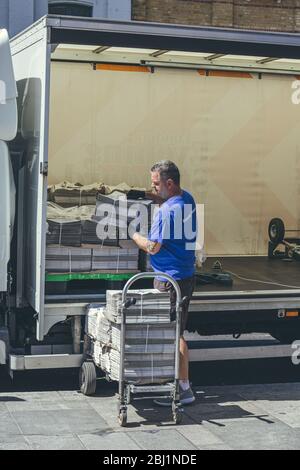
(159, 186)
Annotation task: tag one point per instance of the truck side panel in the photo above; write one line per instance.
(31, 65)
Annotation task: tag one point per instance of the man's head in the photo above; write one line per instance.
(165, 179)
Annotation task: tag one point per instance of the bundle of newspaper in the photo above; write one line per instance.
(126, 215)
(149, 348)
(63, 232)
(85, 259)
(115, 258)
(145, 338)
(65, 224)
(91, 236)
(68, 194)
(151, 306)
(62, 259)
(139, 369)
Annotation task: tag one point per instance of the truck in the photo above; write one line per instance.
(96, 100)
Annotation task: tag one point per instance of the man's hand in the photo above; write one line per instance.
(136, 194)
(146, 245)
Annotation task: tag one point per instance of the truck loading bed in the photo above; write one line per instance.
(275, 274)
(253, 276)
(248, 306)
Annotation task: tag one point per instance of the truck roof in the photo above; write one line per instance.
(165, 37)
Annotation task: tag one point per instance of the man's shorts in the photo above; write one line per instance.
(187, 288)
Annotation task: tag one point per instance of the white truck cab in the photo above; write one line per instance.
(8, 131)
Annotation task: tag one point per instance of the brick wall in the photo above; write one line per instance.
(272, 15)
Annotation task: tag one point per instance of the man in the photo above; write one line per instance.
(171, 245)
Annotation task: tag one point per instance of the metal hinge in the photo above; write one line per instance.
(44, 168)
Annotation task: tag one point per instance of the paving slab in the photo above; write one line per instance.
(255, 391)
(47, 406)
(286, 411)
(216, 411)
(221, 396)
(140, 413)
(110, 441)
(251, 390)
(216, 447)
(8, 397)
(161, 440)
(59, 422)
(200, 437)
(256, 435)
(72, 395)
(13, 443)
(66, 442)
(8, 425)
(275, 395)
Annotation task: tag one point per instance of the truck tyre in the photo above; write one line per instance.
(87, 378)
(276, 231)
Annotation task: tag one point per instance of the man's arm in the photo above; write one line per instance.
(146, 245)
(137, 194)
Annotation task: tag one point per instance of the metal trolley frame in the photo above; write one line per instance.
(88, 372)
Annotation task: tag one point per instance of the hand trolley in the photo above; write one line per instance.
(88, 372)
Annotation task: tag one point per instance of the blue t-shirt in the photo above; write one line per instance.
(175, 226)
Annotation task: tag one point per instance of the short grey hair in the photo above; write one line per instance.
(167, 170)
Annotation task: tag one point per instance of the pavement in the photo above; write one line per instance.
(264, 416)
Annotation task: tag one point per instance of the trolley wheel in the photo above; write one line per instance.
(276, 230)
(177, 416)
(123, 418)
(87, 378)
(177, 412)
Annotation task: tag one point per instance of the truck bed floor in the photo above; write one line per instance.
(258, 268)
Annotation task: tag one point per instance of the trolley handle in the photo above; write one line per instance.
(132, 301)
(138, 276)
(126, 303)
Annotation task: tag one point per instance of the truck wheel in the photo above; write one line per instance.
(287, 336)
(276, 230)
(87, 378)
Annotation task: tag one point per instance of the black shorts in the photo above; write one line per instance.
(187, 288)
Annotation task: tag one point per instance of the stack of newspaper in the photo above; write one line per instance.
(64, 232)
(67, 259)
(91, 236)
(68, 194)
(151, 306)
(115, 258)
(125, 214)
(149, 347)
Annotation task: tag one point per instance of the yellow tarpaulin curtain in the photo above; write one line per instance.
(235, 141)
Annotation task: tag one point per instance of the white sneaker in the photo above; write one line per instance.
(186, 398)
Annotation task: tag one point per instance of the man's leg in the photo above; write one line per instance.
(184, 360)
(186, 394)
